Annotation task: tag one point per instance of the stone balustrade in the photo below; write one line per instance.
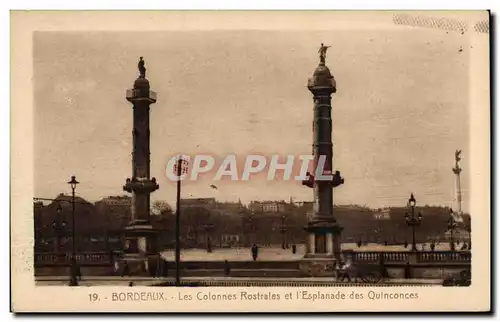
(447, 256)
(403, 257)
(93, 258)
(394, 257)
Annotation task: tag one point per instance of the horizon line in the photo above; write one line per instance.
(90, 201)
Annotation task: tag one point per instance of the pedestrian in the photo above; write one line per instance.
(294, 248)
(345, 270)
(407, 270)
(255, 252)
(78, 272)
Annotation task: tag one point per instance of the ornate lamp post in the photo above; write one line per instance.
(249, 227)
(283, 232)
(412, 220)
(73, 281)
(59, 226)
(208, 227)
(452, 225)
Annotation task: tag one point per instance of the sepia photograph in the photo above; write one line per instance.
(320, 158)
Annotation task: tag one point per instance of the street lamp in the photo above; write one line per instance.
(250, 230)
(208, 230)
(73, 281)
(59, 226)
(283, 232)
(452, 225)
(180, 168)
(412, 220)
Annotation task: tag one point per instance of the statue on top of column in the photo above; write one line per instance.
(322, 53)
(457, 169)
(142, 68)
(457, 156)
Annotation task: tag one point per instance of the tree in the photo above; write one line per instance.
(161, 207)
(192, 221)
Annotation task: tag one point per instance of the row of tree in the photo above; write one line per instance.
(100, 225)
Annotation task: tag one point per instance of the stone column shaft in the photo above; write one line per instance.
(322, 147)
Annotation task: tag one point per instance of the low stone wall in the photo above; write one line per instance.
(64, 271)
(192, 265)
(438, 265)
(426, 271)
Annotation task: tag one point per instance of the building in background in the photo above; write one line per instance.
(208, 203)
(267, 206)
(382, 214)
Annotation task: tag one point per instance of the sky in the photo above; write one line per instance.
(399, 114)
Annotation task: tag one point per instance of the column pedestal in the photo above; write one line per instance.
(329, 244)
(323, 251)
(311, 246)
(140, 249)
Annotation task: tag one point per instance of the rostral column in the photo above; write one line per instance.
(140, 237)
(323, 245)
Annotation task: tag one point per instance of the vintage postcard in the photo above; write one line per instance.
(232, 161)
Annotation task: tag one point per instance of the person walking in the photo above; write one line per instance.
(345, 270)
(255, 252)
(79, 272)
